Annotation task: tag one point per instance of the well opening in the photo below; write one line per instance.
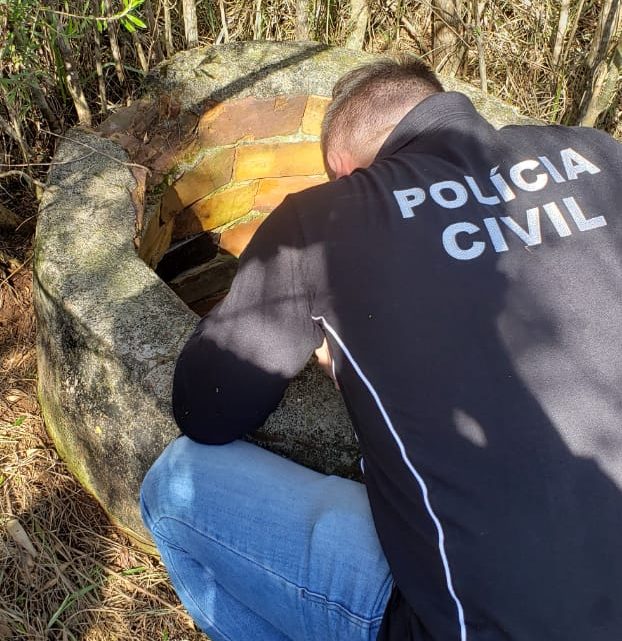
(247, 155)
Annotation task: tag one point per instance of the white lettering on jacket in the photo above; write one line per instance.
(524, 175)
(529, 231)
(466, 240)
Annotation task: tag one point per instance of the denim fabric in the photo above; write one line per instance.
(262, 549)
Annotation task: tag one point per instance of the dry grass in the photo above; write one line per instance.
(65, 572)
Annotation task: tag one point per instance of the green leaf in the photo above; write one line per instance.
(137, 570)
(127, 25)
(137, 21)
(19, 421)
(68, 600)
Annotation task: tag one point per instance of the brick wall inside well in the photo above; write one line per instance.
(249, 154)
(253, 153)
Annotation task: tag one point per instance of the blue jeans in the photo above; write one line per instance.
(261, 549)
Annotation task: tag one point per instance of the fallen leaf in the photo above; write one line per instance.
(18, 534)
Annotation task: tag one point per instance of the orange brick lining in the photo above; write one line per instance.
(249, 155)
(259, 151)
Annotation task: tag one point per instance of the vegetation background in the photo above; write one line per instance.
(65, 572)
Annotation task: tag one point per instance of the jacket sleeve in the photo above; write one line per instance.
(235, 367)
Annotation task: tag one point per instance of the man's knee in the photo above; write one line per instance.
(186, 476)
(170, 485)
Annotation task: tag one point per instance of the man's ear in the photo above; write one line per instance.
(340, 163)
(333, 160)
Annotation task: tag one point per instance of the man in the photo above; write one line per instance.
(468, 282)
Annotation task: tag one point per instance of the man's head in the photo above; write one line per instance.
(367, 104)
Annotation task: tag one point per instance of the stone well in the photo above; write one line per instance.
(170, 189)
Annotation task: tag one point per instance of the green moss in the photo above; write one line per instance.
(55, 430)
(252, 215)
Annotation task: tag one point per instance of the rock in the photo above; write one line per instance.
(278, 160)
(261, 69)
(108, 327)
(251, 118)
(110, 330)
(214, 171)
(270, 193)
(216, 210)
(234, 240)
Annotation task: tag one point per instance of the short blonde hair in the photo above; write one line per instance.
(371, 99)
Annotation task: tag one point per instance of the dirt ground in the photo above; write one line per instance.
(65, 572)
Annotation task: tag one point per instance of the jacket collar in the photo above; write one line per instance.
(430, 116)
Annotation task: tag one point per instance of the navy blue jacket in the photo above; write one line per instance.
(470, 286)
